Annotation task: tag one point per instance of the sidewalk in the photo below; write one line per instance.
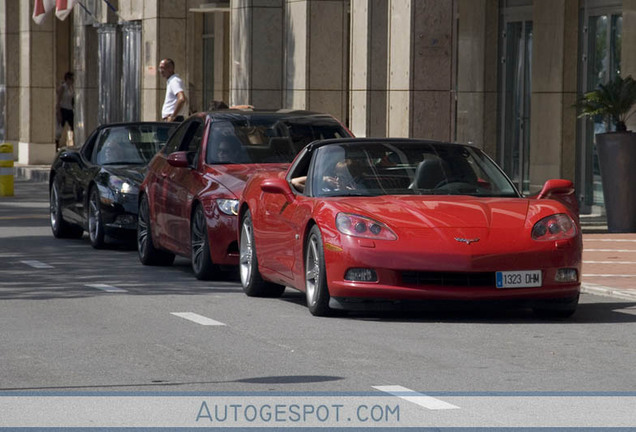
(609, 260)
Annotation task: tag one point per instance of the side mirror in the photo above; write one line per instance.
(70, 156)
(179, 159)
(560, 190)
(278, 186)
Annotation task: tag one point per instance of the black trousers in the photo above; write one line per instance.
(67, 117)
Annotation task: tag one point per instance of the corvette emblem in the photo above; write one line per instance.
(467, 241)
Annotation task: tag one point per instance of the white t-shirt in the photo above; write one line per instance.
(67, 95)
(174, 85)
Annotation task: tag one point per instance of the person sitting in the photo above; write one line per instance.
(348, 175)
(228, 151)
(111, 153)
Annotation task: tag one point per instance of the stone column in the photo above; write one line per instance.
(316, 56)
(37, 84)
(10, 53)
(628, 53)
(554, 73)
(369, 42)
(256, 46)
(86, 77)
(420, 88)
(477, 74)
(164, 36)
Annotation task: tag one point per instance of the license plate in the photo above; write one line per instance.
(518, 279)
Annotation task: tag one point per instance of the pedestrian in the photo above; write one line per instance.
(64, 109)
(175, 100)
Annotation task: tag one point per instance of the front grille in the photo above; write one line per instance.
(419, 278)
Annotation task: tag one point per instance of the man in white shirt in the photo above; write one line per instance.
(175, 96)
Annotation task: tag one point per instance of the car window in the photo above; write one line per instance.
(174, 142)
(133, 144)
(397, 168)
(88, 148)
(192, 140)
(266, 139)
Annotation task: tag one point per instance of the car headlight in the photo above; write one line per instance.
(361, 226)
(124, 186)
(228, 206)
(556, 227)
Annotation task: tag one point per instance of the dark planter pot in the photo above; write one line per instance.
(617, 158)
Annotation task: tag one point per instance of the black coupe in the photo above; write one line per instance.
(95, 187)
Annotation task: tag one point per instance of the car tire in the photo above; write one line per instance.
(202, 265)
(316, 288)
(253, 283)
(148, 254)
(59, 227)
(95, 222)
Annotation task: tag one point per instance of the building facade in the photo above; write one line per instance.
(501, 74)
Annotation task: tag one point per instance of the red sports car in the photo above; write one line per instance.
(188, 202)
(360, 223)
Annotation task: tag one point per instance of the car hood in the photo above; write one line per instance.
(234, 176)
(417, 212)
(132, 173)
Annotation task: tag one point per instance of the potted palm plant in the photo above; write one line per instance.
(616, 149)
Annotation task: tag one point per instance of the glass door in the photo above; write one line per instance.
(601, 63)
(516, 89)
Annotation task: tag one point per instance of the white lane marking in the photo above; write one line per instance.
(415, 397)
(610, 250)
(608, 275)
(610, 240)
(106, 288)
(609, 262)
(199, 319)
(37, 264)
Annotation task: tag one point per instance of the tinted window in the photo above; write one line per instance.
(266, 139)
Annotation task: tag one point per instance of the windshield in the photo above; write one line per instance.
(131, 144)
(383, 168)
(267, 139)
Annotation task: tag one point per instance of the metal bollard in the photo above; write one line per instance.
(6, 170)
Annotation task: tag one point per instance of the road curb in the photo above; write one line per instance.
(601, 290)
(34, 173)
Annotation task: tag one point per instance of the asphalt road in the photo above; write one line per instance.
(75, 319)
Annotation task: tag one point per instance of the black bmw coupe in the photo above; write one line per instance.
(94, 187)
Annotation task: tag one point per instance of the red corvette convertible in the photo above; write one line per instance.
(360, 223)
(188, 202)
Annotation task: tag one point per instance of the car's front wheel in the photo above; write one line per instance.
(148, 254)
(253, 283)
(95, 222)
(59, 227)
(316, 288)
(202, 264)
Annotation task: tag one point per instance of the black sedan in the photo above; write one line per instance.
(95, 187)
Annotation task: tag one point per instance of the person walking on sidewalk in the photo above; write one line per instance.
(64, 109)
(175, 100)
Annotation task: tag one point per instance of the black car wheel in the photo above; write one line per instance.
(253, 283)
(59, 227)
(202, 264)
(95, 222)
(148, 254)
(315, 275)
